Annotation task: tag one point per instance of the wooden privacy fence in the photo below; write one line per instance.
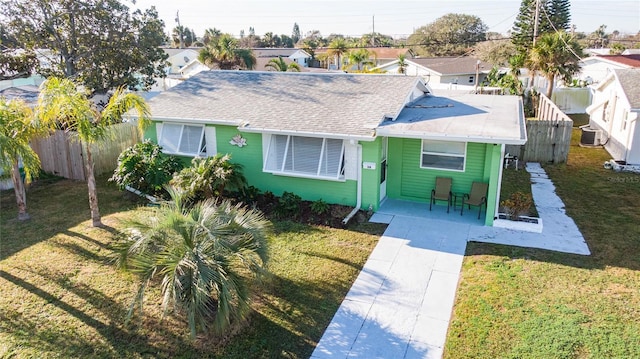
(63, 155)
(548, 136)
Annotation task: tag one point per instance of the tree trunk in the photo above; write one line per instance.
(21, 196)
(93, 192)
(550, 78)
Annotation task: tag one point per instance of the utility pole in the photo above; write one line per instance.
(535, 22)
(179, 29)
(373, 35)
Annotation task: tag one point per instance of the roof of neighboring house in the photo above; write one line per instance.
(342, 105)
(28, 93)
(452, 65)
(389, 52)
(172, 52)
(275, 51)
(630, 81)
(456, 116)
(628, 60)
(261, 63)
(631, 52)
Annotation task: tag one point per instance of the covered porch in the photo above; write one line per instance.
(391, 207)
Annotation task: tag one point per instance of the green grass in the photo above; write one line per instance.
(61, 296)
(525, 303)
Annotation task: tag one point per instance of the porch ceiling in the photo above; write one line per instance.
(460, 117)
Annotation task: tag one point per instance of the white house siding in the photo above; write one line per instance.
(622, 142)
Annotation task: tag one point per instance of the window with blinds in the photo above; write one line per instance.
(443, 155)
(182, 139)
(305, 156)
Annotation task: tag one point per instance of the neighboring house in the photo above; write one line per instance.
(192, 68)
(379, 56)
(440, 72)
(594, 69)
(614, 112)
(179, 58)
(383, 55)
(298, 56)
(631, 52)
(344, 138)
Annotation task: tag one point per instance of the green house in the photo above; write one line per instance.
(344, 138)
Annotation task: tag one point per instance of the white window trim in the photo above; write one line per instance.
(463, 156)
(179, 153)
(282, 172)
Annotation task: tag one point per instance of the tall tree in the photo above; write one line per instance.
(210, 34)
(99, 43)
(62, 102)
(280, 65)
(207, 255)
(295, 34)
(18, 126)
(552, 15)
(449, 35)
(558, 13)
(361, 59)
(555, 54)
(495, 52)
(225, 54)
(402, 64)
(182, 36)
(337, 48)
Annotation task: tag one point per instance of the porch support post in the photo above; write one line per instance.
(495, 153)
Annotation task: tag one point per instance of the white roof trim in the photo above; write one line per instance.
(246, 128)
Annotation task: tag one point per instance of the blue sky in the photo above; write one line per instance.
(356, 17)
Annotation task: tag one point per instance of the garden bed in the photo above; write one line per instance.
(524, 223)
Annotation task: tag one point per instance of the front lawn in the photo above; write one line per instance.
(527, 303)
(61, 296)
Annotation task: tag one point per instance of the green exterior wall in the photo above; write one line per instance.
(250, 157)
(371, 152)
(407, 181)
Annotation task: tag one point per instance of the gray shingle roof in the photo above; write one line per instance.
(337, 104)
(630, 82)
(452, 65)
(460, 117)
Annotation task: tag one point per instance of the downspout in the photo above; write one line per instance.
(359, 189)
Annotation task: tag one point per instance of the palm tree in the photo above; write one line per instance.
(337, 48)
(402, 64)
(208, 177)
(280, 65)
(360, 58)
(17, 127)
(555, 54)
(210, 34)
(62, 102)
(206, 255)
(225, 54)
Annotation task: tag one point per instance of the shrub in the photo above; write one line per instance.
(210, 176)
(320, 207)
(517, 205)
(288, 205)
(144, 167)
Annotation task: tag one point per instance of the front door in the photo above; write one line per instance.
(383, 170)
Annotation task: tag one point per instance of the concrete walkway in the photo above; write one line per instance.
(401, 303)
(559, 233)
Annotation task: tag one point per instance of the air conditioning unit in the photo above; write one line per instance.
(590, 136)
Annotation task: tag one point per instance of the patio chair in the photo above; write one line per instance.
(442, 192)
(477, 197)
